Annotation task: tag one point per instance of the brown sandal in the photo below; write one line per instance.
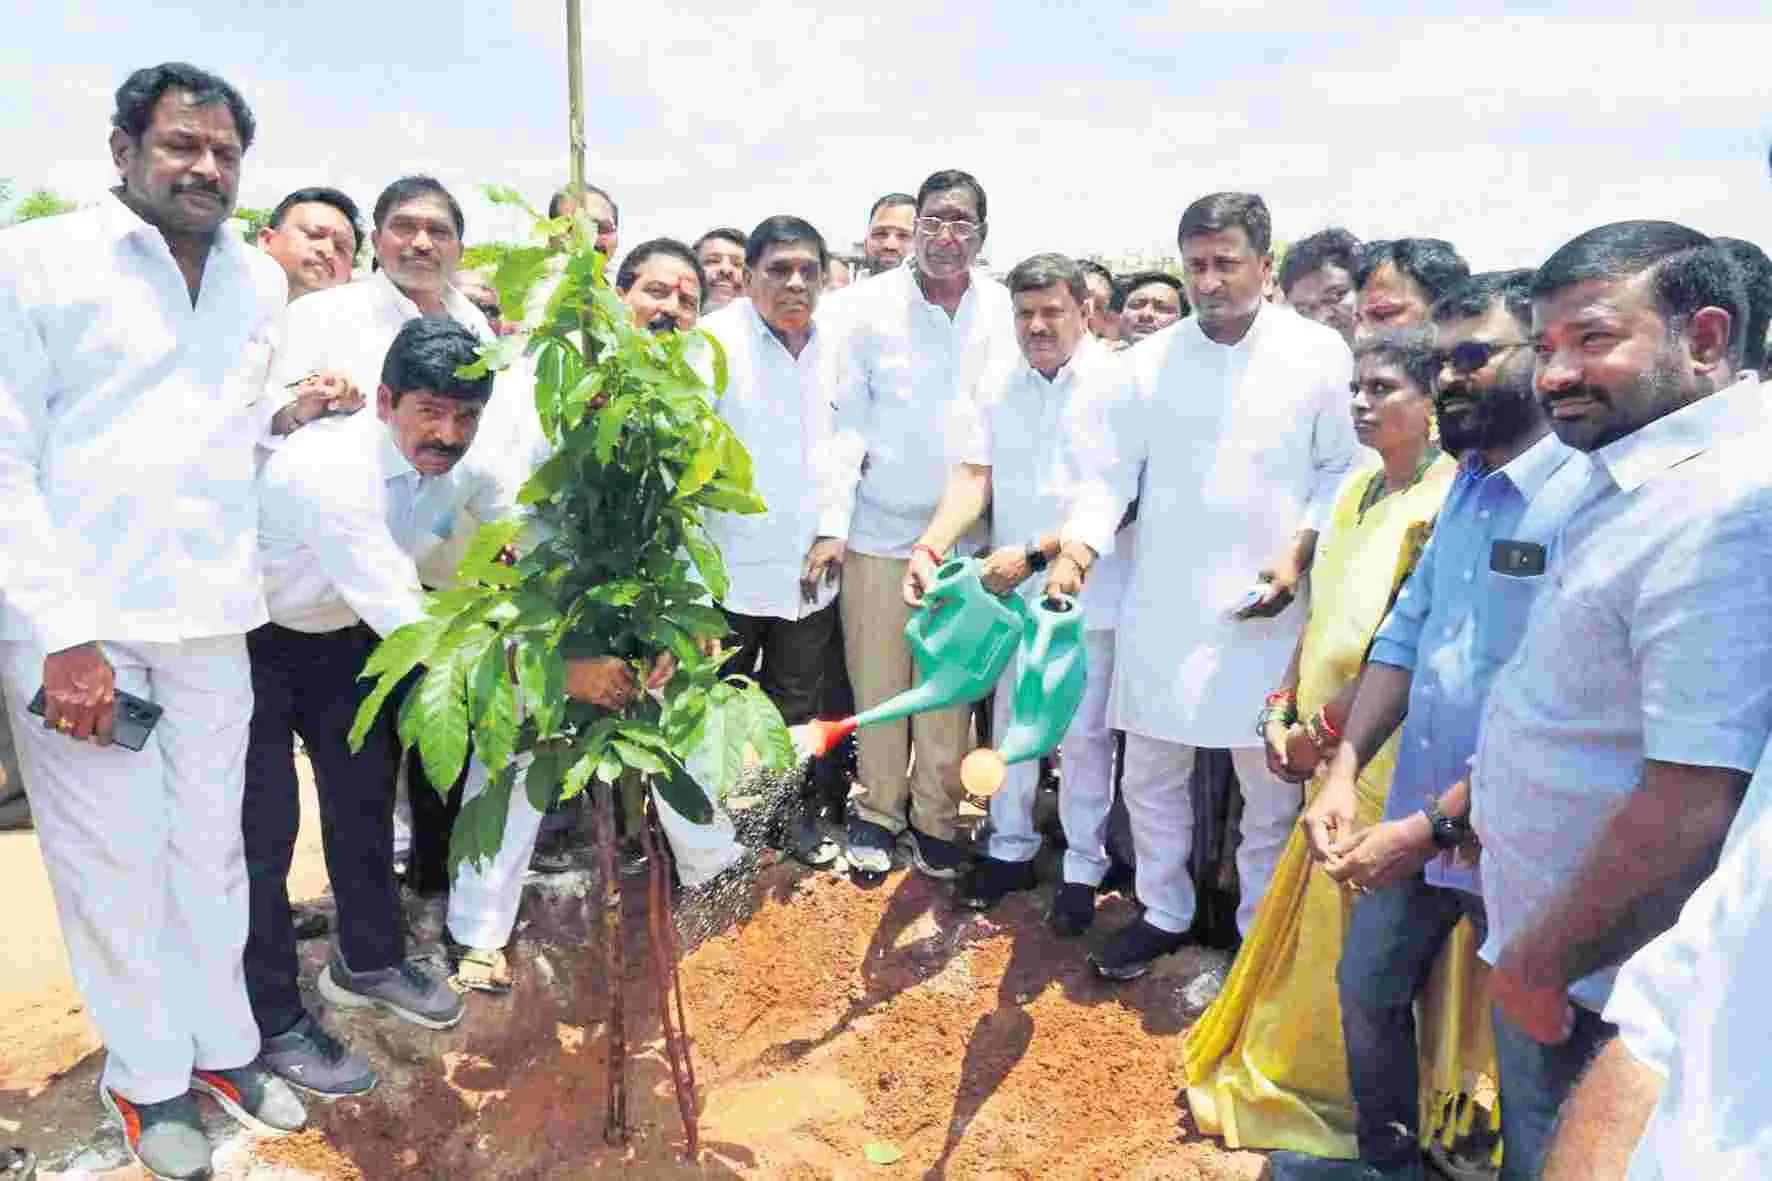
(483, 969)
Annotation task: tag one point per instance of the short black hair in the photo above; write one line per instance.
(425, 355)
(409, 187)
(560, 195)
(1688, 271)
(1331, 247)
(780, 230)
(891, 200)
(951, 178)
(1410, 349)
(1091, 267)
(140, 92)
(321, 195)
(1433, 263)
(1756, 282)
(630, 266)
(1477, 294)
(1216, 212)
(1041, 271)
(723, 233)
(1132, 282)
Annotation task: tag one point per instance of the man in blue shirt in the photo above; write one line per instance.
(1454, 625)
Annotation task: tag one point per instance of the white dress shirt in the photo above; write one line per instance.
(128, 423)
(1241, 446)
(1026, 433)
(344, 519)
(349, 329)
(1689, 1007)
(1651, 639)
(779, 406)
(907, 375)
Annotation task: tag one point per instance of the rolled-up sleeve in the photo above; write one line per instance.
(342, 524)
(35, 575)
(1334, 446)
(1701, 636)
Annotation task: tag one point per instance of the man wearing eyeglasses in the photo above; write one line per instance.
(918, 340)
(1456, 622)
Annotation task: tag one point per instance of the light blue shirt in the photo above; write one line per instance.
(1457, 621)
(1652, 639)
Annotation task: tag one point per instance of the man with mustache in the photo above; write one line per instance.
(1397, 281)
(721, 253)
(783, 565)
(134, 339)
(1616, 744)
(1234, 424)
(918, 340)
(1018, 465)
(662, 283)
(1455, 623)
(1152, 301)
(313, 234)
(1317, 279)
(891, 233)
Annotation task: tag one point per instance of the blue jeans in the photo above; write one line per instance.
(1392, 941)
(1535, 1080)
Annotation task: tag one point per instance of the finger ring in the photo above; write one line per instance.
(64, 725)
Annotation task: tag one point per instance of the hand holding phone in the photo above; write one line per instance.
(133, 718)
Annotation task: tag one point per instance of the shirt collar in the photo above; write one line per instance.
(459, 307)
(392, 461)
(120, 222)
(1674, 438)
(766, 335)
(1248, 341)
(1531, 469)
(1081, 359)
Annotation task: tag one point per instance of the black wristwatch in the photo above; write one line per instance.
(1035, 556)
(1449, 832)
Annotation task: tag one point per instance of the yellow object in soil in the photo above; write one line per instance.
(982, 772)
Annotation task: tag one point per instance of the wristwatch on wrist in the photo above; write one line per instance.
(1449, 832)
(1035, 556)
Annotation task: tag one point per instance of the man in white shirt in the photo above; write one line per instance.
(313, 234)
(782, 565)
(1616, 743)
(721, 252)
(346, 509)
(1234, 424)
(1152, 301)
(134, 339)
(918, 339)
(1683, 1090)
(891, 232)
(1018, 465)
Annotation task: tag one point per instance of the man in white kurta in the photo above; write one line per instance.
(134, 337)
(1019, 461)
(1236, 418)
(782, 564)
(917, 340)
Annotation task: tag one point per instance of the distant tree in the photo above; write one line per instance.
(251, 222)
(42, 203)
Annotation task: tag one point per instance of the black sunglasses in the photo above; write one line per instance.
(1468, 356)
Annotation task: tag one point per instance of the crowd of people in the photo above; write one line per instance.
(1470, 573)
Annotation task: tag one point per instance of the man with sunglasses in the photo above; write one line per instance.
(1455, 624)
(917, 340)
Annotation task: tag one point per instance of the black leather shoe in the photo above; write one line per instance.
(990, 879)
(1132, 949)
(1073, 910)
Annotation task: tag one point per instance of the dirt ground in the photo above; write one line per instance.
(830, 1025)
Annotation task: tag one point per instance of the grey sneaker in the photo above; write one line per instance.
(870, 849)
(410, 990)
(312, 1059)
(255, 1097)
(165, 1138)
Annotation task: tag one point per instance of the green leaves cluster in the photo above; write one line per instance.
(616, 562)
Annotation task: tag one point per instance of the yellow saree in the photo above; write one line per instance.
(1265, 1063)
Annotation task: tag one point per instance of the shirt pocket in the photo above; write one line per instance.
(1509, 599)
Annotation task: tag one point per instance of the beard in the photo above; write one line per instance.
(1506, 412)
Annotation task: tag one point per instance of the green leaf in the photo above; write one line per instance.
(434, 716)
(543, 775)
(492, 705)
(610, 421)
(541, 672)
(480, 827)
(392, 659)
(880, 1153)
(637, 756)
(722, 371)
(682, 792)
(548, 479)
(735, 462)
(479, 562)
(728, 497)
(699, 620)
(499, 353)
(708, 562)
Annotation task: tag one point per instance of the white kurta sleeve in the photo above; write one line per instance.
(342, 523)
(35, 576)
(846, 454)
(1109, 442)
(1334, 446)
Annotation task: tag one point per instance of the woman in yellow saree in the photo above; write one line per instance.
(1265, 1064)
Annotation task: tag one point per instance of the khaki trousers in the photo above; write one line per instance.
(880, 666)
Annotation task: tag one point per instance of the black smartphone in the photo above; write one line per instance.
(132, 721)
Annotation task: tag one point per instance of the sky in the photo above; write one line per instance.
(1505, 128)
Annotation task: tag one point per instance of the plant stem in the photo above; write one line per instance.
(575, 96)
(615, 1125)
(668, 981)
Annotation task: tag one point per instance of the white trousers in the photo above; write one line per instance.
(147, 862)
(1154, 783)
(1086, 787)
(483, 899)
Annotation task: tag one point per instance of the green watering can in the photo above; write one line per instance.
(1051, 671)
(962, 639)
